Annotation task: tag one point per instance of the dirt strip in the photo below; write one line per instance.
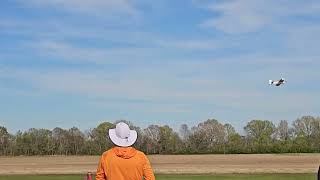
(170, 164)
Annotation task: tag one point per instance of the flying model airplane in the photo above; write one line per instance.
(277, 82)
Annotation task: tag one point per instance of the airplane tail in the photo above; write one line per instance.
(270, 82)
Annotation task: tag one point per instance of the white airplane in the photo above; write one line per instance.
(277, 82)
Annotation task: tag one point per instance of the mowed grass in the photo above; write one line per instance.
(176, 177)
(240, 177)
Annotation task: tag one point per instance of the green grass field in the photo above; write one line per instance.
(178, 177)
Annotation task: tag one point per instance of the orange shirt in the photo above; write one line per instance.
(124, 163)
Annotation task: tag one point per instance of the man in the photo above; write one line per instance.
(124, 162)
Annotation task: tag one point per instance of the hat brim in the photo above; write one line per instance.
(123, 142)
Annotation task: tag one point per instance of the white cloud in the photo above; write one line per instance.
(207, 83)
(187, 44)
(143, 51)
(243, 16)
(235, 83)
(89, 7)
(304, 41)
(237, 17)
(55, 32)
(212, 88)
(65, 51)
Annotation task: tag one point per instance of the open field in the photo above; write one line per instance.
(170, 164)
(177, 177)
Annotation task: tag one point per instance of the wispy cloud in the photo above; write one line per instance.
(95, 55)
(92, 7)
(139, 51)
(60, 40)
(187, 44)
(243, 16)
(238, 89)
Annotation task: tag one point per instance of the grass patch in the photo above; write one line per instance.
(239, 177)
(42, 177)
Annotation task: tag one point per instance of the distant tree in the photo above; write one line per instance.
(151, 139)
(208, 137)
(259, 134)
(34, 142)
(283, 130)
(4, 141)
(306, 133)
(22, 145)
(76, 141)
(315, 136)
(184, 132)
(60, 141)
(100, 138)
(229, 131)
(304, 126)
(236, 144)
(169, 140)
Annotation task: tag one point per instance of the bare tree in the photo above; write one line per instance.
(208, 136)
(76, 140)
(4, 140)
(304, 126)
(283, 130)
(152, 138)
(184, 132)
(60, 140)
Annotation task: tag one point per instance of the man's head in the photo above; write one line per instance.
(122, 135)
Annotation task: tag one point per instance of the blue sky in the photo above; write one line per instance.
(78, 63)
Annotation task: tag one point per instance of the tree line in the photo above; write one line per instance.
(210, 136)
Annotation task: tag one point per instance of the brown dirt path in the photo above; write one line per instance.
(195, 164)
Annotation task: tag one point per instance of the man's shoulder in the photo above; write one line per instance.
(106, 152)
(141, 154)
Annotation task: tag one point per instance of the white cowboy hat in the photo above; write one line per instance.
(122, 136)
